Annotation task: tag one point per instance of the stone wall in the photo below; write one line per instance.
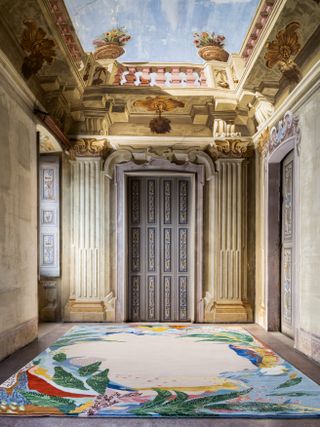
(308, 328)
(18, 221)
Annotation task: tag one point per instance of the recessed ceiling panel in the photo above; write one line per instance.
(162, 30)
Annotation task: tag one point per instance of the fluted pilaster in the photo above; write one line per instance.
(231, 264)
(85, 278)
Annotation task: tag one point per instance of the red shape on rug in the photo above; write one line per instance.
(38, 384)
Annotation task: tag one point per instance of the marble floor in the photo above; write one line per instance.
(49, 332)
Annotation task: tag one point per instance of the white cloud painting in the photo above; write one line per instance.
(162, 30)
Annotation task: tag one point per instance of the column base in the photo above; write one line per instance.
(229, 312)
(84, 311)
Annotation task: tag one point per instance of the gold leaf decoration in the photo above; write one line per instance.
(88, 148)
(159, 103)
(282, 50)
(40, 49)
(263, 141)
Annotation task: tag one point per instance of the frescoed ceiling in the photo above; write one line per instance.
(162, 30)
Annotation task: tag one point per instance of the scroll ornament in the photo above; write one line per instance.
(286, 128)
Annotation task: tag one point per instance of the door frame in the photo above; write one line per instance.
(273, 220)
(166, 168)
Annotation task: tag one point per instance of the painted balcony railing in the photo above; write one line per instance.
(160, 75)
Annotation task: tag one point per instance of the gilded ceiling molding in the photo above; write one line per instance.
(89, 148)
(38, 46)
(286, 128)
(231, 148)
(281, 51)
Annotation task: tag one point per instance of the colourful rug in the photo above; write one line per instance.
(159, 371)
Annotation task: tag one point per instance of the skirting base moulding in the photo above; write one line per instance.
(229, 312)
(84, 311)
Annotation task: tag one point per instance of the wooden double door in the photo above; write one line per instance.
(160, 242)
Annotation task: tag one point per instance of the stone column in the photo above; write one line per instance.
(230, 297)
(86, 293)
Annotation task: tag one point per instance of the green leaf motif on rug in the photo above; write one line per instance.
(290, 382)
(99, 381)
(261, 407)
(37, 399)
(164, 404)
(228, 337)
(65, 379)
(60, 357)
(294, 394)
(89, 369)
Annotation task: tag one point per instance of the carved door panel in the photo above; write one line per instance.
(159, 227)
(287, 248)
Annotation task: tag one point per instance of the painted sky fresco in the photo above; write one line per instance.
(162, 30)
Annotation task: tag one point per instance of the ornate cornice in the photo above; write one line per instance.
(65, 28)
(89, 148)
(286, 128)
(257, 28)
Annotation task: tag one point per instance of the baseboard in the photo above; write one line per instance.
(308, 344)
(15, 338)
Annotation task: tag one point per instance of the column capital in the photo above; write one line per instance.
(231, 148)
(88, 147)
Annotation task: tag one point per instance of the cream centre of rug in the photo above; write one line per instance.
(161, 360)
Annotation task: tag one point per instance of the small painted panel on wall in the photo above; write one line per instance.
(49, 215)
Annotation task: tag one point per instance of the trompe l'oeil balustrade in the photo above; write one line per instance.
(160, 76)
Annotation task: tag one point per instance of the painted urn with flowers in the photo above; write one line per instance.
(110, 44)
(210, 46)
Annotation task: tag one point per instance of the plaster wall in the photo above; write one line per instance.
(18, 223)
(308, 330)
